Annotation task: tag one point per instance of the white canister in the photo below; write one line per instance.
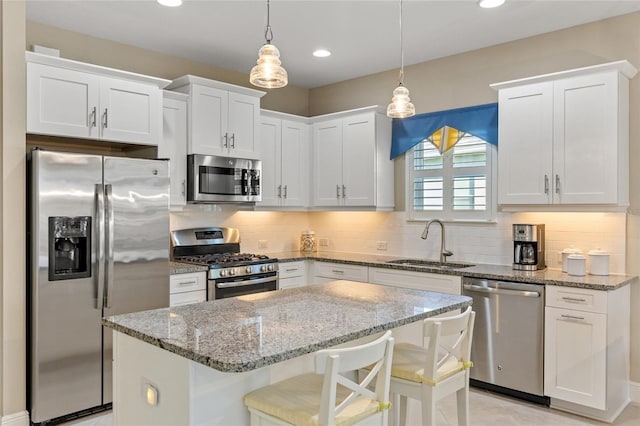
(565, 255)
(598, 262)
(577, 265)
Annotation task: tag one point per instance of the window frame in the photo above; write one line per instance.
(448, 173)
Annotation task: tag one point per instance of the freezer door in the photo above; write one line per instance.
(137, 221)
(65, 334)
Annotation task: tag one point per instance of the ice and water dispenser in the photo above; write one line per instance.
(69, 247)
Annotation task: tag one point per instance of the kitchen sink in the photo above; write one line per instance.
(430, 263)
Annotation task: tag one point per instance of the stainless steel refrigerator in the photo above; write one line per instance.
(98, 246)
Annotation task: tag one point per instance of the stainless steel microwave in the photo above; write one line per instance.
(215, 179)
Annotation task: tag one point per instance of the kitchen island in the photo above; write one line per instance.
(196, 362)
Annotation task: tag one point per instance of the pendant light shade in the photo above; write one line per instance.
(268, 73)
(401, 106)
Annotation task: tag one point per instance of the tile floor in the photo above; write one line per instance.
(486, 409)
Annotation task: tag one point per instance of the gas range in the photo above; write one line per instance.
(231, 272)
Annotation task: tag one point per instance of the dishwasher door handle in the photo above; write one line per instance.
(482, 289)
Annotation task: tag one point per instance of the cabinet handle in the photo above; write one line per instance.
(226, 140)
(233, 140)
(106, 118)
(337, 191)
(279, 191)
(546, 184)
(183, 187)
(94, 113)
(572, 317)
(557, 184)
(573, 299)
(337, 271)
(291, 269)
(344, 191)
(190, 282)
(285, 191)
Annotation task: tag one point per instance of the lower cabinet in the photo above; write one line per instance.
(292, 274)
(328, 271)
(586, 354)
(187, 288)
(418, 280)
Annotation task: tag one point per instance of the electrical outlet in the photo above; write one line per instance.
(381, 245)
(323, 242)
(262, 244)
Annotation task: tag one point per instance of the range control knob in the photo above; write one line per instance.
(248, 269)
(223, 272)
(271, 267)
(263, 268)
(232, 271)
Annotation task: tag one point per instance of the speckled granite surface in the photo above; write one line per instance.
(248, 332)
(494, 272)
(185, 268)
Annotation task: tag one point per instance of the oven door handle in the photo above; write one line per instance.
(481, 289)
(247, 282)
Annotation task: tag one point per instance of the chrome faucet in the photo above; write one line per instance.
(444, 253)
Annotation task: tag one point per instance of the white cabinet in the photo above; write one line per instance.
(284, 151)
(330, 271)
(586, 355)
(173, 144)
(564, 137)
(450, 284)
(351, 165)
(224, 119)
(187, 288)
(292, 274)
(72, 99)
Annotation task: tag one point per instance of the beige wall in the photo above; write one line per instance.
(84, 48)
(12, 214)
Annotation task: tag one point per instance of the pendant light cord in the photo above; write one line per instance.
(401, 75)
(268, 34)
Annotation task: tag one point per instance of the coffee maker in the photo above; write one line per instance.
(528, 247)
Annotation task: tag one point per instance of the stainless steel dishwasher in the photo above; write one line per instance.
(508, 337)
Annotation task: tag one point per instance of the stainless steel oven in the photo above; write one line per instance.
(214, 179)
(221, 288)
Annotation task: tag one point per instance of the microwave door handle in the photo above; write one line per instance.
(99, 244)
(110, 234)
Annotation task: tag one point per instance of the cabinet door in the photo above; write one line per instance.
(208, 114)
(575, 357)
(270, 135)
(244, 125)
(450, 284)
(586, 139)
(358, 160)
(295, 163)
(130, 112)
(525, 132)
(173, 146)
(327, 175)
(62, 102)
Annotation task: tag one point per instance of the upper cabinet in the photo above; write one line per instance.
(284, 151)
(564, 138)
(224, 119)
(351, 165)
(73, 99)
(173, 144)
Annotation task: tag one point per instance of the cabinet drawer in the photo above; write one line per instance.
(181, 283)
(577, 299)
(187, 297)
(292, 282)
(292, 269)
(341, 271)
(417, 280)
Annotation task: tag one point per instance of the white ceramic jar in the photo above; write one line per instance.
(565, 255)
(598, 262)
(577, 265)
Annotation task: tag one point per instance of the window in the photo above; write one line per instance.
(455, 185)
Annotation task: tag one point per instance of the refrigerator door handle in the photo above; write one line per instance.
(109, 246)
(99, 250)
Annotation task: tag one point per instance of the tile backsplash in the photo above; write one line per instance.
(361, 232)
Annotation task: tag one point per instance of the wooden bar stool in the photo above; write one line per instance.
(439, 368)
(327, 397)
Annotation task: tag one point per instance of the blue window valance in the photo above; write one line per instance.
(480, 121)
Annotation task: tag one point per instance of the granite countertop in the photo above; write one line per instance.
(185, 268)
(493, 272)
(252, 331)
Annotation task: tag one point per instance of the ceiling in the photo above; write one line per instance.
(363, 35)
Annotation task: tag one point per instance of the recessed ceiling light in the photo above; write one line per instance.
(170, 3)
(321, 53)
(488, 4)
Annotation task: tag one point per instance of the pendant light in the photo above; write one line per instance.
(401, 106)
(268, 73)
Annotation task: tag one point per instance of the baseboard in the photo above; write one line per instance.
(15, 419)
(634, 392)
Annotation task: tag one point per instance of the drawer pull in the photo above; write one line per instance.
(192, 282)
(337, 271)
(574, 299)
(291, 269)
(572, 317)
